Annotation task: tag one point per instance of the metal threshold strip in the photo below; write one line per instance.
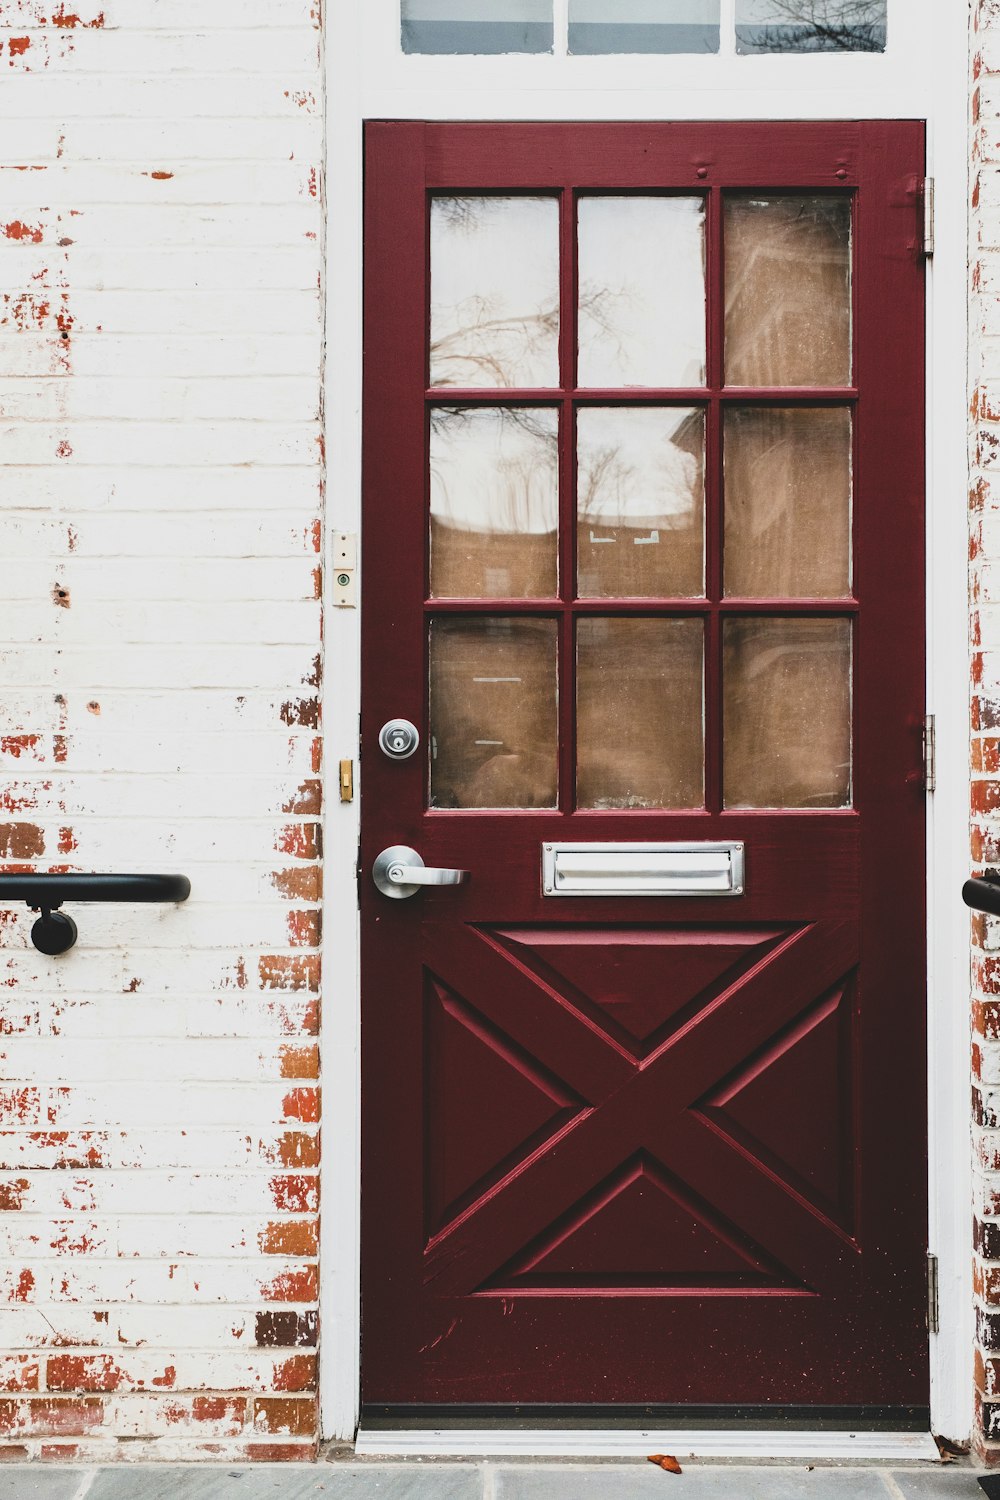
(754, 1441)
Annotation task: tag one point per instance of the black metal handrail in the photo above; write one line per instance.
(55, 932)
(983, 894)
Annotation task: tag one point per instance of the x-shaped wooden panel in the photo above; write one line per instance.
(649, 1106)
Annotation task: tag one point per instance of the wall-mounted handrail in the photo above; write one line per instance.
(55, 932)
(983, 894)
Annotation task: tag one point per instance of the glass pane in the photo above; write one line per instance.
(493, 713)
(641, 502)
(788, 502)
(597, 26)
(642, 291)
(495, 291)
(494, 502)
(810, 25)
(788, 291)
(483, 26)
(640, 713)
(787, 686)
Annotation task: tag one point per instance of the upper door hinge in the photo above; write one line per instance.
(933, 1302)
(930, 753)
(927, 201)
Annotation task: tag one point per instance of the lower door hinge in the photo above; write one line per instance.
(933, 1302)
(930, 752)
(927, 198)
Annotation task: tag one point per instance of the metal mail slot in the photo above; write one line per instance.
(642, 869)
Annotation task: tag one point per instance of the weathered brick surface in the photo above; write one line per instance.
(160, 349)
(984, 579)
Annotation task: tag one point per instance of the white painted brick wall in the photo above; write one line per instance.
(160, 638)
(984, 579)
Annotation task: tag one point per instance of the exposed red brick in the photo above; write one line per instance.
(290, 1237)
(289, 972)
(308, 799)
(298, 1373)
(286, 1330)
(986, 1019)
(18, 230)
(302, 1105)
(300, 840)
(295, 1194)
(24, 1286)
(21, 841)
(52, 1416)
(71, 19)
(300, 883)
(300, 1062)
(300, 1285)
(19, 1372)
(286, 1416)
(305, 929)
(82, 1372)
(12, 1194)
(279, 1453)
(218, 1409)
(303, 712)
(297, 1148)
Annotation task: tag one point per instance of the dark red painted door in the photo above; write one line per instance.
(643, 562)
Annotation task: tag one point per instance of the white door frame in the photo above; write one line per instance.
(924, 75)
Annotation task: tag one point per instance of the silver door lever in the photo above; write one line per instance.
(399, 872)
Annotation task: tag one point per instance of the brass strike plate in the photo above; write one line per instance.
(347, 781)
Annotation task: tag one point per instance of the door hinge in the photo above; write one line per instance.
(930, 753)
(927, 200)
(933, 1301)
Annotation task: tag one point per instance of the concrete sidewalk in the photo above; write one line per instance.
(426, 1480)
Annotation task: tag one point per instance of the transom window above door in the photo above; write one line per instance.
(640, 426)
(605, 27)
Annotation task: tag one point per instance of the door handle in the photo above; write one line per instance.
(399, 872)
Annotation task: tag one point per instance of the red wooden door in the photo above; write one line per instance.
(643, 562)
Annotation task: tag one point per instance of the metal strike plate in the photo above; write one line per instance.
(693, 869)
(344, 557)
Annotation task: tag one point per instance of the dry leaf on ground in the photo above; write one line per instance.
(666, 1461)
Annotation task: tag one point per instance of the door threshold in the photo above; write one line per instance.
(735, 1442)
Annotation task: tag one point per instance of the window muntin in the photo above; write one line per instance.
(627, 605)
(642, 27)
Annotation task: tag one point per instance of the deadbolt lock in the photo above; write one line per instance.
(399, 739)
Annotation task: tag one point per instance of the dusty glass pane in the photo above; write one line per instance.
(641, 502)
(484, 26)
(642, 291)
(603, 26)
(495, 291)
(494, 502)
(788, 291)
(787, 693)
(640, 713)
(788, 502)
(810, 25)
(493, 710)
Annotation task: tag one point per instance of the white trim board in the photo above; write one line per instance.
(681, 1442)
(923, 76)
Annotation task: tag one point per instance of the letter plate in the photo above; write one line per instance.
(642, 869)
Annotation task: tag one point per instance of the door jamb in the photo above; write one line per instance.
(942, 99)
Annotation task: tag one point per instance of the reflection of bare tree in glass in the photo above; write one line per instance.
(824, 25)
(491, 346)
